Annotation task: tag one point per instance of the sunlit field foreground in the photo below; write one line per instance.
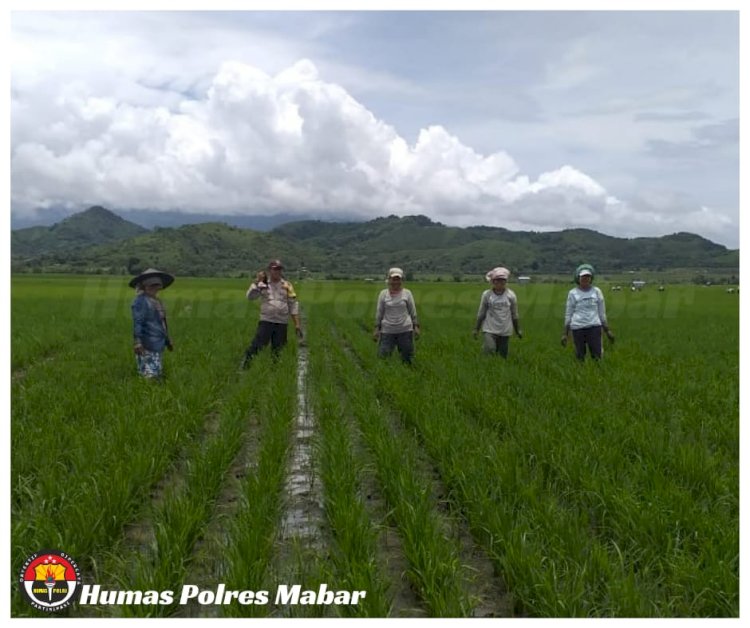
(463, 485)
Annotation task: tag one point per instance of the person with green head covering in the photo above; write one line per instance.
(585, 315)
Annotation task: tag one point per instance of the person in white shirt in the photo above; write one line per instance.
(585, 315)
(497, 317)
(396, 322)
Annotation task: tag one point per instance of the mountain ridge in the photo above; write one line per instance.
(114, 245)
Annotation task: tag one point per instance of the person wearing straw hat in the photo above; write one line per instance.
(396, 323)
(278, 302)
(585, 315)
(497, 317)
(150, 332)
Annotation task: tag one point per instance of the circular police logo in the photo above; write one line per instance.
(50, 580)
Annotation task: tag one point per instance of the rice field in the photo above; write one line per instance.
(462, 486)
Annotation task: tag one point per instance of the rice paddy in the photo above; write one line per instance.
(462, 486)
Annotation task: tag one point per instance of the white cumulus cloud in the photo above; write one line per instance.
(256, 143)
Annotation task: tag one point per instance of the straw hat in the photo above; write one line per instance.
(166, 278)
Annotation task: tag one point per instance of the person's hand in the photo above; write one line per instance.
(299, 333)
(138, 349)
(519, 333)
(417, 331)
(376, 335)
(170, 346)
(475, 333)
(610, 335)
(564, 340)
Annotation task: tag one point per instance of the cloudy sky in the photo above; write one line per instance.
(622, 122)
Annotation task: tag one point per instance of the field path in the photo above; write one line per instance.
(303, 515)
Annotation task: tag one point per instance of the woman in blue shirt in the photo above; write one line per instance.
(585, 315)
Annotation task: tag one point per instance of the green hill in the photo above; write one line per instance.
(418, 244)
(206, 249)
(426, 246)
(96, 225)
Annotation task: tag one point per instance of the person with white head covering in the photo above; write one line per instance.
(497, 317)
(150, 332)
(585, 315)
(396, 322)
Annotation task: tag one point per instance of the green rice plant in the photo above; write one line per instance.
(354, 552)
(434, 568)
(599, 489)
(561, 473)
(181, 518)
(249, 545)
(110, 444)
